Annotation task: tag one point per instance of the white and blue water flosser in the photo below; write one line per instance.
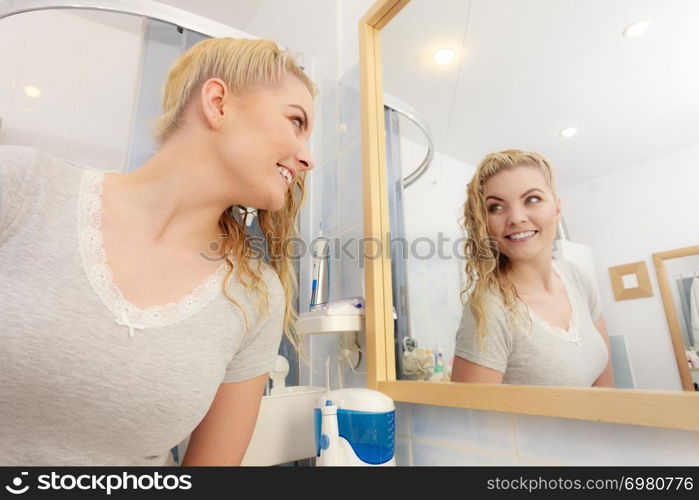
(330, 446)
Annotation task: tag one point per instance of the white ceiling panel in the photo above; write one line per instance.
(527, 69)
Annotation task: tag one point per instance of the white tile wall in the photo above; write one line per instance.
(581, 442)
(403, 419)
(349, 104)
(403, 452)
(428, 454)
(471, 437)
(337, 211)
(475, 430)
(327, 127)
(349, 181)
(329, 188)
(351, 271)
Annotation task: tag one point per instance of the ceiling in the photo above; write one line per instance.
(527, 69)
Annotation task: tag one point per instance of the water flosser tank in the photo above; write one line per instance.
(366, 425)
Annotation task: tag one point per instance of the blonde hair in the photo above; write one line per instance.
(487, 270)
(242, 64)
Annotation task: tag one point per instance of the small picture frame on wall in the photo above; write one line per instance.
(630, 281)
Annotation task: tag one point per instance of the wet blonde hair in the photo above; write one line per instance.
(242, 64)
(487, 270)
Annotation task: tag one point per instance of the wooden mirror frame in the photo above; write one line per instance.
(668, 409)
(672, 321)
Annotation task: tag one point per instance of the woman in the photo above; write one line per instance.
(134, 309)
(529, 319)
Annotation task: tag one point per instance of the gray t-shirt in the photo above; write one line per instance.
(86, 378)
(546, 355)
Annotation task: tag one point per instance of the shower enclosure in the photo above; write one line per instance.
(83, 80)
(401, 174)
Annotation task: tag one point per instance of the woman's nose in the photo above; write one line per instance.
(304, 160)
(516, 215)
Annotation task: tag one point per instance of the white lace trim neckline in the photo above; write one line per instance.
(573, 332)
(99, 274)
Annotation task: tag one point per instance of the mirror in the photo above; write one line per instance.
(665, 408)
(678, 278)
(606, 92)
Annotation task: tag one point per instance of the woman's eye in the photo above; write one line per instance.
(298, 121)
(533, 199)
(495, 207)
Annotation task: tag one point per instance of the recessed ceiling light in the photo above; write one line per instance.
(32, 91)
(636, 29)
(444, 56)
(569, 132)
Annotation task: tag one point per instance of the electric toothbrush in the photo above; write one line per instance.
(321, 273)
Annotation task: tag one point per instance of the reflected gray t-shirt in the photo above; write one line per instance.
(546, 355)
(86, 378)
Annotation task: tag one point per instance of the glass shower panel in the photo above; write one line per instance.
(399, 242)
(58, 90)
(162, 45)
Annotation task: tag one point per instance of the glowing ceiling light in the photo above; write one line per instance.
(32, 91)
(569, 132)
(444, 57)
(636, 29)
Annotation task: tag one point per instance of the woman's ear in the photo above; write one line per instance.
(214, 93)
(558, 207)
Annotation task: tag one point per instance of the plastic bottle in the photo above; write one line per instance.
(437, 374)
(438, 371)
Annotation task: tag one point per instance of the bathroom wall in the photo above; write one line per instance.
(432, 435)
(83, 113)
(659, 196)
(303, 26)
(336, 213)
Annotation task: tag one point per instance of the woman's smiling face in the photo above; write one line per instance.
(264, 141)
(522, 212)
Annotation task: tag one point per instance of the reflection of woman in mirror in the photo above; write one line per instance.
(528, 319)
(134, 311)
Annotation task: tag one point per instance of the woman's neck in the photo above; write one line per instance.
(533, 277)
(167, 201)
